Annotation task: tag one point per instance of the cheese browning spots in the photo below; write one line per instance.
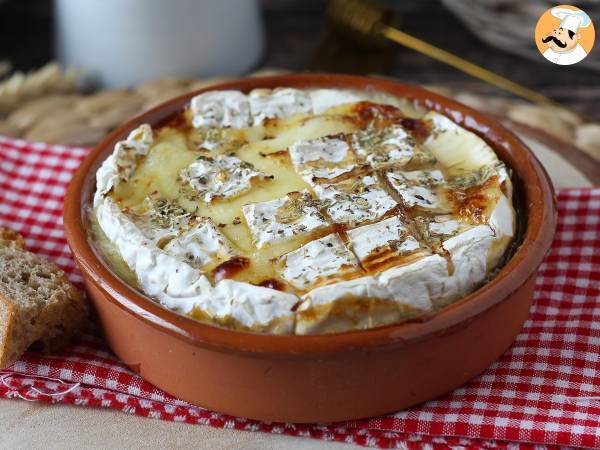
(297, 194)
(269, 200)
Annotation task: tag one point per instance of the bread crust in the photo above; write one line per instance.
(7, 315)
(11, 238)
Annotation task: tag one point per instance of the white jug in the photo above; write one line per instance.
(123, 42)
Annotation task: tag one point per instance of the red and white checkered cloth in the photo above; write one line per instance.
(544, 390)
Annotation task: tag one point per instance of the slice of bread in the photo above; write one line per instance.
(38, 305)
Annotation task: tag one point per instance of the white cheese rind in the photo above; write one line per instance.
(502, 219)
(181, 287)
(262, 218)
(160, 275)
(166, 275)
(413, 194)
(323, 158)
(380, 147)
(417, 196)
(237, 110)
(316, 260)
(468, 252)
(106, 179)
(326, 149)
(220, 177)
(200, 244)
(355, 207)
(428, 177)
(421, 284)
(443, 227)
(121, 164)
(157, 233)
(277, 103)
(252, 305)
(366, 239)
(415, 285)
(220, 109)
(424, 283)
(325, 173)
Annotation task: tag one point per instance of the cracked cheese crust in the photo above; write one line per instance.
(293, 211)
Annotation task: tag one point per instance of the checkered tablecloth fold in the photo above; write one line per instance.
(544, 390)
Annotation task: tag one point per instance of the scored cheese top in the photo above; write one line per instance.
(303, 211)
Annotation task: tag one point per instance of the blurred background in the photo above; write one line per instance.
(94, 63)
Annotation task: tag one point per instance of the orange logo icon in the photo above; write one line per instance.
(564, 35)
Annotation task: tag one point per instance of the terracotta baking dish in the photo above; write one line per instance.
(330, 377)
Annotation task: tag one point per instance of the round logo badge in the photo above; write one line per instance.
(564, 35)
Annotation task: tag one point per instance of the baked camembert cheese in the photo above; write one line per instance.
(293, 211)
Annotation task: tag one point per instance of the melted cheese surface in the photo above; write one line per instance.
(323, 206)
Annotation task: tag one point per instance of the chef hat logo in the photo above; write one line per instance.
(570, 19)
(564, 35)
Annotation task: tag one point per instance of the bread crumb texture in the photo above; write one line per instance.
(39, 307)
